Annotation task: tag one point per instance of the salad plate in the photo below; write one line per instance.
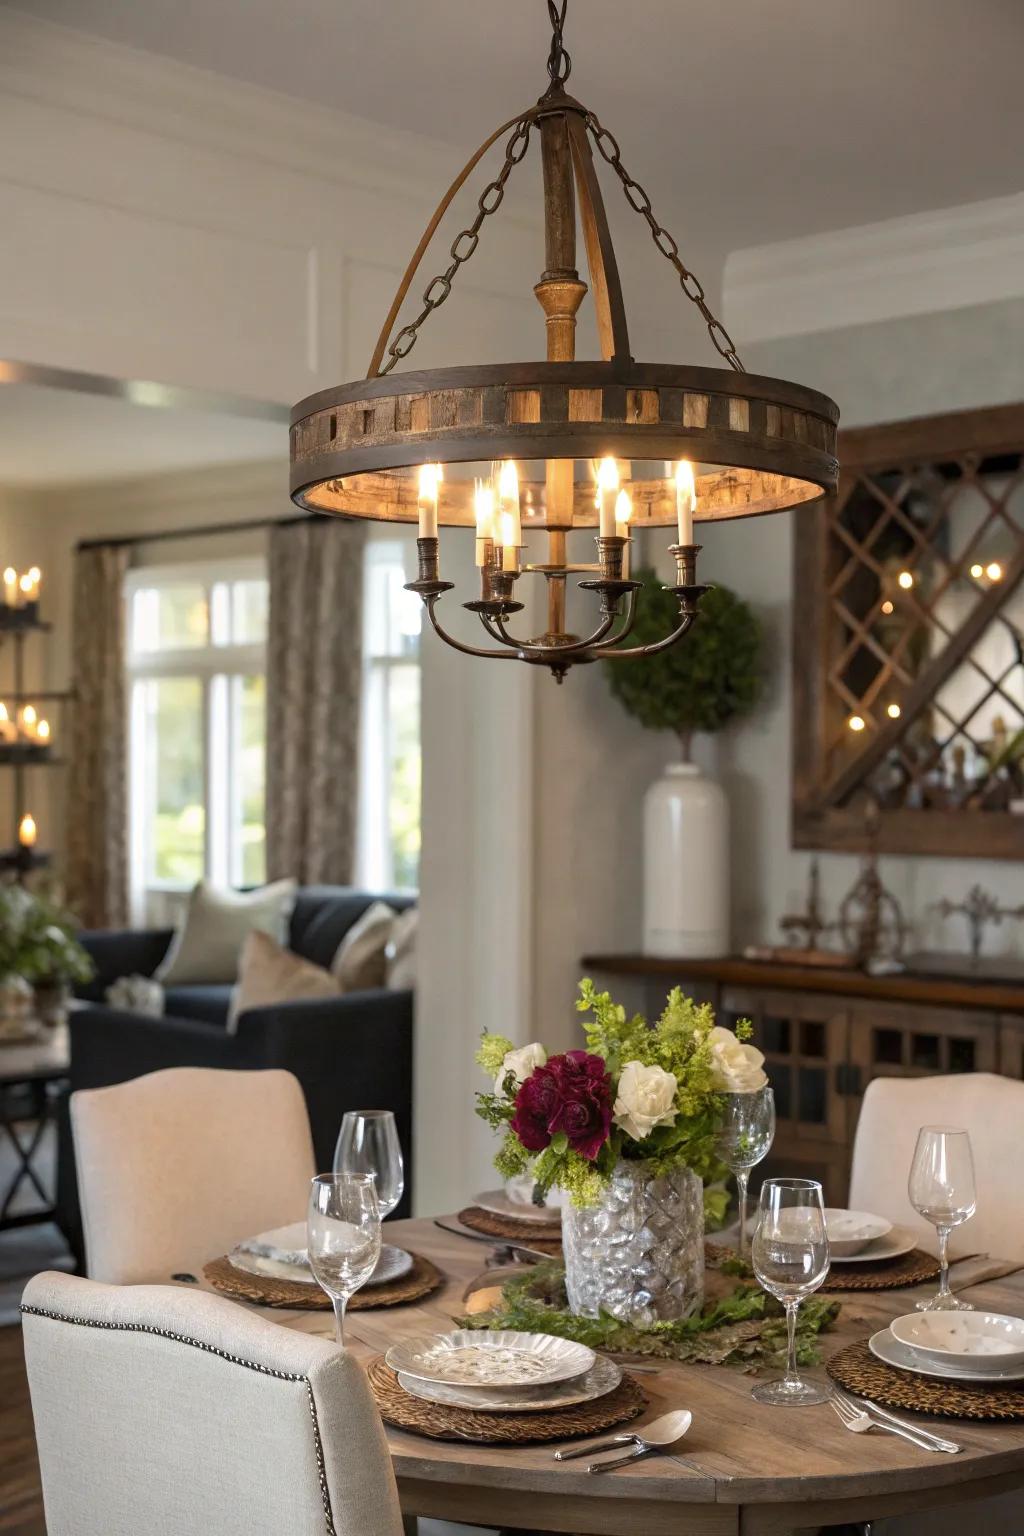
(466, 1358)
(604, 1376)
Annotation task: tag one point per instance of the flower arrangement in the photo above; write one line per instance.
(636, 1092)
(37, 939)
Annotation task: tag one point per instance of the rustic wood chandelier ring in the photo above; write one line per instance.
(559, 445)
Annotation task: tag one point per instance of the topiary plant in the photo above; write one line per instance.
(700, 684)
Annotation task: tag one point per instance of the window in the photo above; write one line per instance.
(197, 691)
(389, 820)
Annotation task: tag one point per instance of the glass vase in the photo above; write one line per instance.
(638, 1254)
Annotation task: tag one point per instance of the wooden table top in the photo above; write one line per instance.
(42, 1060)
(743, 1467)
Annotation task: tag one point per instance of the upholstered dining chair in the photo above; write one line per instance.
(176, 1167)
(990, 1109)
(162, 1408)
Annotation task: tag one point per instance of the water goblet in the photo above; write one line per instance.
(368, 1143)
(744, 1139)
(941, 1189)
(342, 1237)
(790, 1258)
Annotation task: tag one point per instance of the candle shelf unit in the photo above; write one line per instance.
(20, 754)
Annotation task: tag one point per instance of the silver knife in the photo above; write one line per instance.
(867, 1406)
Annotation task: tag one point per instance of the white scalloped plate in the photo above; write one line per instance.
(392, 1265)
(603, 1377)
(467, 1358)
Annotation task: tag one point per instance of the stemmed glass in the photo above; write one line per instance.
(790, 1258)
(342, 1237)
(941, 1189)
(744, 1139)
(368, 1143)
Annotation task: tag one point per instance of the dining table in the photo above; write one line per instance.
(743, 1469)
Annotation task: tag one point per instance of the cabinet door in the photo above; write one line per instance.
(1011, 1046)
(906, 1040)
(804, 1037)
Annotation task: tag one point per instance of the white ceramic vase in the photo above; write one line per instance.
(686, 865)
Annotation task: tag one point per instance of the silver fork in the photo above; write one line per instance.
(859, 1422)
(875, 1411)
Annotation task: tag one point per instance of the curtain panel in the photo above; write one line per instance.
(314, 683)
(97, 815)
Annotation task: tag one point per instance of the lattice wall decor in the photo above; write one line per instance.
(908, 641)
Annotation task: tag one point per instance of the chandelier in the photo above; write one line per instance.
(551, 447)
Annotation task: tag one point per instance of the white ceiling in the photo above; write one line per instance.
(54, 437)
(769, 118)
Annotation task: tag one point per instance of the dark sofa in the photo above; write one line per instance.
(349, 1052)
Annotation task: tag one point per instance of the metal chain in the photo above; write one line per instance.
(638, 200)
(559, 62)
(464, 244)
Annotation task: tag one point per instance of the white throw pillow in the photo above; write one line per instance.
(400, 953)
(208, 943)
(269, 974)
(360, 962)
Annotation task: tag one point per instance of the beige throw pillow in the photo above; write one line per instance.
(360, 961)
(401, 951)
(208, 943)
(269, 974)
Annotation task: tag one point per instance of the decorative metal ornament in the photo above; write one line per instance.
(756, 444)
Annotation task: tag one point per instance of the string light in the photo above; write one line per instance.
(905, 580)
(894, 711)
(994, 571)
(887, 606)
(856, 723)
(977, 571)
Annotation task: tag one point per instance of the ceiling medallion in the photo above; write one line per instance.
(560, 445)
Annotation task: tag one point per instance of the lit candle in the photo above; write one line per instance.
(25, 587)
(28, 721)
(510, 522)
(483, 506)
(7, 727)
(686, 500)
(623, 513)
(27, 831)
(607, 482)
(431, 476)
(43, 733)
(10, 586)
(35, 576)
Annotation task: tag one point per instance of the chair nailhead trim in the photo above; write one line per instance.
(211, 1349)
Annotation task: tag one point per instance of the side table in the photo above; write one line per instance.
(40, 1067)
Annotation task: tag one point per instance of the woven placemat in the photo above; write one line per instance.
(440, 1422)
(912, 1268)
(545, 1235)
(856, 1369)
(421, 1280)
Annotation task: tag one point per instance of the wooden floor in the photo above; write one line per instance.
(21, 1501)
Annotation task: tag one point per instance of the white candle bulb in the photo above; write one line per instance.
(483, 506)
(43, 731)
(607, 482)
(508, 495)
(509, 540)
(25, 586)
(10, 586)
(28, 719)
(27, 831)
(686, 500)
(623, 513)
(35, 576)
(431, 476)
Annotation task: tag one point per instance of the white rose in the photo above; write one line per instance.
(522, 1063)
(646, 1098)
(738, 1068)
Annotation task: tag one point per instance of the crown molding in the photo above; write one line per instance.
(76, 71)
(948, 258)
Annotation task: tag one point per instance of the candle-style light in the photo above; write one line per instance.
(11, 587)
(43, 733)
(623, 513)
(35, 577)
(431, 476)
(27, 830)
(510, 528)
(8, 730)
(686, 500)
(483, 507)
(607, 485)
(28, 720)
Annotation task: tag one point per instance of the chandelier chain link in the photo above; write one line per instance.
(464, 244)
(559, 62)
(639, 201)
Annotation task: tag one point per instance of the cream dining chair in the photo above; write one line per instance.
(990, 1109)
(176, 1167)
(161, 1408)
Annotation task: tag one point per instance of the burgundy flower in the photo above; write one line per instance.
(571, 1093)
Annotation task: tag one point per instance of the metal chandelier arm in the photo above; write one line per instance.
(458, 645)
(652, 650)
(536, 646)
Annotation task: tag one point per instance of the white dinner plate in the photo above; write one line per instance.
(392, 1265)
(604, 1376)
(894, 1245)
(884, 1347)
(467, 1358)
(497, 1202)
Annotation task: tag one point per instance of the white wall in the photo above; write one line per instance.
(883, 371)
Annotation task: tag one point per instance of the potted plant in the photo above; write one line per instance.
(628, 1128)
(38, 949)
(700, 685)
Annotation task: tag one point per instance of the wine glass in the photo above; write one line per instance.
(743, 1140)
(342, 1237)
(790, 1257)
(941, 1189)
(368, 1143)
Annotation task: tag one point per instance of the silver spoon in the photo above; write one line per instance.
(656, 1437)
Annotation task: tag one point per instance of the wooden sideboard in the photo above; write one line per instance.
(826, 1034)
